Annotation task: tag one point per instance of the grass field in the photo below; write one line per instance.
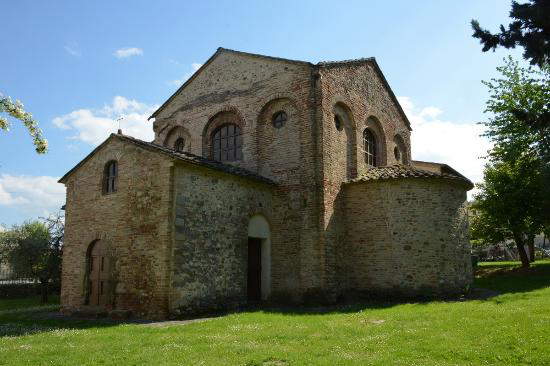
(511, 328)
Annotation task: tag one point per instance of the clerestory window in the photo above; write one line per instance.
(227, 143)
(370, 148)
(110, 177)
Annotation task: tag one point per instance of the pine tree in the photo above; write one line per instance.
(530, 30)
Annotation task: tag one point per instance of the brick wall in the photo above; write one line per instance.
(134, 223)
(357, 95)
(252, 89)
(187, 254)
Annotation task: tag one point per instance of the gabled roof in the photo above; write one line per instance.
(178, 156)
(399, 171)
(219, 51)
(322, 64)
(372, 61)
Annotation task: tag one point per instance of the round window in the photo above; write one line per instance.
(338, 122)
(279, 119)
(397, 153)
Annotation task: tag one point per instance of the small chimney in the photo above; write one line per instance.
(119, 131)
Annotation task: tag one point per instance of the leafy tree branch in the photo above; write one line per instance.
(17, 111)
(529, 29)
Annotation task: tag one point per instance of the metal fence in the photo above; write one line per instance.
(8, 277)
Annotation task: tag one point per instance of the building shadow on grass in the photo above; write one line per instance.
(510, 278)
(491, 282)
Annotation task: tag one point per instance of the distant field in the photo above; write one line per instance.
(511, 328)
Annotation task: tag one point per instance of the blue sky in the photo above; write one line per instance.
(77, 66)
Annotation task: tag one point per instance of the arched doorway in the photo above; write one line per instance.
(98, 274)
(259, 259)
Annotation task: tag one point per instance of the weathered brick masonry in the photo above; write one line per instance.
(177, 227)
(135, 223)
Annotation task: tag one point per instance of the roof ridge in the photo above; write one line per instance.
(348, 61)
(199, 160)
(397, 171)
(182, 156)
(264, 56)
(319, 64)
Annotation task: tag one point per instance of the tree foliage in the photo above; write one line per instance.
(33, 250)
(519, 103)
(484, 228)
(509, 203)
(529, 29)
(17, 111)
(514, 200)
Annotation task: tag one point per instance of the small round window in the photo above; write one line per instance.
(179, 145)
(338, 122)
(397, 153)
(279, 119)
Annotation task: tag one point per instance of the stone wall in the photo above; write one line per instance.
(406, 236)
(308, 157)
(209, 257)
(134, 223)
(252, 89)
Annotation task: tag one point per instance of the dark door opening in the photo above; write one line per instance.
(254, 280)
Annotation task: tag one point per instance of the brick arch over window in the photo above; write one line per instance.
(400, 148)
(373, 125)
(277, 148)
(178, 133)
(345, 134)
(226, 117)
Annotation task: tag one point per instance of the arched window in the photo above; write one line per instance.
(369, 146)
(338, 122)
(227, 143)
(109, 177)
(179, 145)
(279, 119)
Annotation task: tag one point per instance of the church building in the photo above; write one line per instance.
(268, 181)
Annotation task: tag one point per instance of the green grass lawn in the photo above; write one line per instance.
(27, 302)
(511, 328)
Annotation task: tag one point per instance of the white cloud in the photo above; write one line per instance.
(436, 139)
(72, 49)
(33, 195)
(178, 82)
(128, 52)
(94, 126)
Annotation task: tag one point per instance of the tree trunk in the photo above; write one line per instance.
(520, 244)
(43, 292)
(531, 245)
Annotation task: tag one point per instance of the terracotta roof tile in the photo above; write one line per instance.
(198, 160)
(182, 156)
(399, 171)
